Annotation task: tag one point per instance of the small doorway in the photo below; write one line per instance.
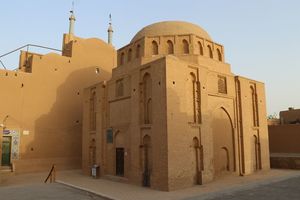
(120, 161)
(6, 151)
(147, 161)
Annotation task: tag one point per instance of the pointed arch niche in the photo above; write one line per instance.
(185, 46)
(154, 48)
(254, 106)
(170, 47)
(138, 51)
(147, 99)
(122, 58)
(193, 98)
(223, 142)
(210, 53)
(129, 56)
(200, 48)
(219, 55)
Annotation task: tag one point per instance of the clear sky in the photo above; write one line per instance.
(261, 37)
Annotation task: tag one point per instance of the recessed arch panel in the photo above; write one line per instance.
(223, 142)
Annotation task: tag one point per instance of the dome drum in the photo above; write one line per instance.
(170, 37)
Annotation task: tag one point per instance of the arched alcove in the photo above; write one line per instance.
(129, 55)
(193, 96)
(224, 159)
(138, 51)
(200, 48)
(254, 106)
(122, 58)
(154, 48)
(149, 111)
(147, 98)
(185, 47)
(219, 55)
(223, 142)
(210, 53)
(170, 47)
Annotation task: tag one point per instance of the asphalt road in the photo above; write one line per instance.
(45, 192)
(288, 189)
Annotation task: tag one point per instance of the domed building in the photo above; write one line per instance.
(173, 114)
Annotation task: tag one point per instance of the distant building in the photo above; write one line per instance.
(284, 137)
(173, 114)
(290, 116)
(41, 103)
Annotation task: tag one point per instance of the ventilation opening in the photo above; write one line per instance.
(97, 70)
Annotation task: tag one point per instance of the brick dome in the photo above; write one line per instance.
(171, 28)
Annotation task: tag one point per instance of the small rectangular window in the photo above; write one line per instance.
(222, 85)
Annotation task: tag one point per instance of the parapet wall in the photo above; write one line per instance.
(284, 138)
(284, 146)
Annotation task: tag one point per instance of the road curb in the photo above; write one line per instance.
(86, 190)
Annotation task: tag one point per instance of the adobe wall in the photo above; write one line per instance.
(284, 138)
(123, 115)
(284, 146)
(45, 106)
(214, 128)
(290, 116)
(92, 137)
(254, 143)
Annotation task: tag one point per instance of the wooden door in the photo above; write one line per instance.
(120, 161)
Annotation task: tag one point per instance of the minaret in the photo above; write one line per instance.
(110, 31)
(72, 22)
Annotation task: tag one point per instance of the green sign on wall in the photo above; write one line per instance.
(6, 151)
(109, 135)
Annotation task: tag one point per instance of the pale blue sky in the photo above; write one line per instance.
(261, 37)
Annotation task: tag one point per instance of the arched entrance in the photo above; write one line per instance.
(147, 161)
(119, 154)
(223, 142)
